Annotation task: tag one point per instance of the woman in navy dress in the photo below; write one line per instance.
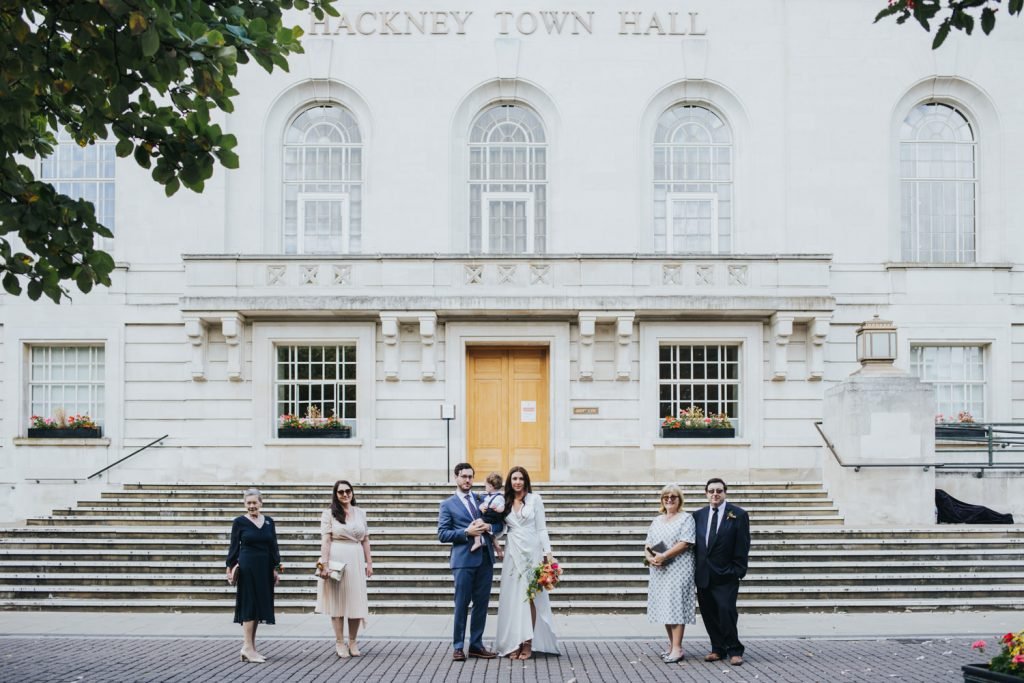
(253, 566)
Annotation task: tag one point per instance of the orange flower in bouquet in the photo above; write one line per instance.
(546, 576)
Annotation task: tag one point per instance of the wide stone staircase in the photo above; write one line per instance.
(161, 547)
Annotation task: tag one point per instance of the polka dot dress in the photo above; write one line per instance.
(671, 594)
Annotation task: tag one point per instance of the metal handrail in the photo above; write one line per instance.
(989, 441)
(114, 464)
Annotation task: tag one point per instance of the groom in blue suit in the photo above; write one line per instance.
(458, 522)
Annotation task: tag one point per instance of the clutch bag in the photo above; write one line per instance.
(336, 570)
(660, 547)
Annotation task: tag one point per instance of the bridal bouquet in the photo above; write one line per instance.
(546, 576)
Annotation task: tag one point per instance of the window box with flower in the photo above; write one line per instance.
(692, 423)
(958, 427)
(313, 426)
(63, 426)
(1005, 667)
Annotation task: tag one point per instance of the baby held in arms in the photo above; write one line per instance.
(491, 509)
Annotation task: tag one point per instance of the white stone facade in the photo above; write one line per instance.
(814, 96)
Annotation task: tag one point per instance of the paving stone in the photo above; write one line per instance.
(25, 659)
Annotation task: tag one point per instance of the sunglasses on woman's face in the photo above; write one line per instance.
(667, 499)
(344, 492)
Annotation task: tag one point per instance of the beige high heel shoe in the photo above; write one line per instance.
(342, 650)
(353, 649)
(254, 658)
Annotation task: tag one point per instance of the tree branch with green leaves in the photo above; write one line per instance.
(146, 73)
(960, 15)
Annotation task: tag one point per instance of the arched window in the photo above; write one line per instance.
(692, 182)
(84, 173)
(508, 196)
(323, 190)
(939, 185)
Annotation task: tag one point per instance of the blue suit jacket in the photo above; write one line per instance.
(726, 559)
(452, 520)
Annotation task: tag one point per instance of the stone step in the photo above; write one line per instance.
(395, 567)
(573, 606)
(381, 506)
(444, 487)
(439, 580)
(198, 592)
(410, 522)
(634, 516)
(160, 547)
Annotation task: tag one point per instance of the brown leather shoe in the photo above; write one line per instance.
(736, 660)
(458, 655)
(482, 653)
(712, 657)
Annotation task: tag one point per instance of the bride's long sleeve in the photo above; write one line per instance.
(541, 524)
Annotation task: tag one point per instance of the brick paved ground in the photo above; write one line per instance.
(90, 659)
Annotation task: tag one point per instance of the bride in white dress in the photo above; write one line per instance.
(524, 626)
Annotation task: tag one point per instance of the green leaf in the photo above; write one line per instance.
(172, 186)
(941, 34)
(227, 159)
(11, 284)
(988, 20)
(1015, 6)
(84, 281)
(150, 41)
(123, 148)
(35, 290)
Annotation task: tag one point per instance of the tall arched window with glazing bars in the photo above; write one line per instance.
(693, 193)
(938, 185)
(508, 182)
(323, 187)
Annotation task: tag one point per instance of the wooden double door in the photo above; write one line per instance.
(507, 410)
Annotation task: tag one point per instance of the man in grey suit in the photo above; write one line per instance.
(458, 522)
(723, 550)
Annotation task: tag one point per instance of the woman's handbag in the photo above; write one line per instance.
(335, 570)
(660, 547)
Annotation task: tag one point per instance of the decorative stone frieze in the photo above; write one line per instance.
(196, 331)
(341, 275)
(671, 274)
(391, 335)
(309, 274)
(585, 363)
(507, 273)
(737, 276)
(473, 274)
(232, 328)
(623, 342)
(276, 275)
(782, 330)
(817, 333)
(540, 274)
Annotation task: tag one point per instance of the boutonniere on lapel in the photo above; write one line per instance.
(730, 515)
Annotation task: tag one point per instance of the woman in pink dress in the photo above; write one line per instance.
(345, 538)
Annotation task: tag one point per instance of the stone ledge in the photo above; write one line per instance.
(742, 443)
(313, 442)
(93, 443)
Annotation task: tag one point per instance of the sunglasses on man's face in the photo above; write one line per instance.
(713, 491)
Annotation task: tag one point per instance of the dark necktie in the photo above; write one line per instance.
(474, 513)
(713, 531)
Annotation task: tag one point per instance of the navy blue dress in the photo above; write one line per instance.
(255, 552)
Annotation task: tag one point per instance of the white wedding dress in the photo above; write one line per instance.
(527, 542)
